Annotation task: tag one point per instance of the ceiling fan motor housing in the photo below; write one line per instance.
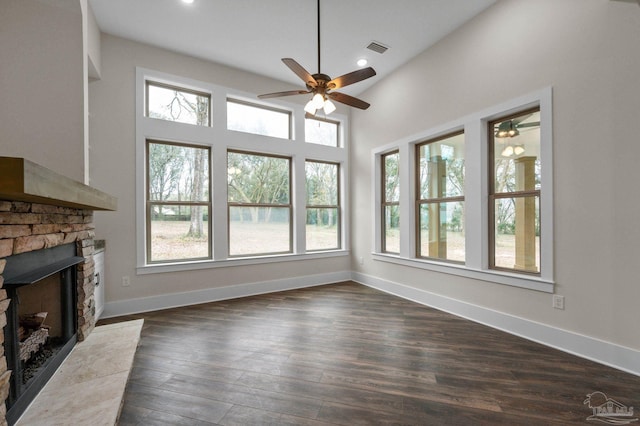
(321, 80)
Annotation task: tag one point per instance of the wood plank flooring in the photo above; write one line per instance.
(345, 354)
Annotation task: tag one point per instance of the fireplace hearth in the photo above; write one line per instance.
(41, 325)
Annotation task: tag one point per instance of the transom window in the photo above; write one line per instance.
(178, 202)
(515, 186)
(260, 209)
(322, 131)
(440, 198)
(323, 210)
(391, 202)
(177, 104)
(258, 119)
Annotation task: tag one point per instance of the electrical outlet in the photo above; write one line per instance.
(361, 260)
(126, 281)
(558, 301)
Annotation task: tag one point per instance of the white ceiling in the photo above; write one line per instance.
(254, 34)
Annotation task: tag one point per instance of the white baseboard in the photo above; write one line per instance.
(175, 300)
(620, 357)
(616, 356)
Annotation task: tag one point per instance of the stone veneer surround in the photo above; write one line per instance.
(26, 227)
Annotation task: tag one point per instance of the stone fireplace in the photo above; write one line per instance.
(43, 212)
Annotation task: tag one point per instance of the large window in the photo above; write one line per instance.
(323, 210)
(258, 119)
(177, 104)
(390, 202)
(225, 180)
(475, 197)
(440, 198)
(514, 189)
(260, 209)
(178, 202)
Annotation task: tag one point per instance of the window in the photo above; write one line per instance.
(440, 198)
(321, 131)
(514, 199)
(177, 104)
(479, 194)
(178, 202)
(390, 203)
(259, 201)
(229, 186)
(323, 213)
(257, 119)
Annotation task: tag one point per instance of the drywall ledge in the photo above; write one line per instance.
(23, 180)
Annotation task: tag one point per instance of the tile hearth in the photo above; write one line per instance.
(97, 369)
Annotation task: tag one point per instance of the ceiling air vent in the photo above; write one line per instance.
(377, 47)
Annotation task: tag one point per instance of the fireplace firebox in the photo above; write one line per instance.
(42, 323)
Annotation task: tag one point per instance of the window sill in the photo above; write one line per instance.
(158, 268)
(497, 277)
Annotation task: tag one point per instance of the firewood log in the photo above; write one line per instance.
(33, 321)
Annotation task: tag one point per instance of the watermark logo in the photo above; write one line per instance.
(609, 411)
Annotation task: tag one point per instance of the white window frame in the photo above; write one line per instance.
(476, 196)
(221, 140)
(340, 219)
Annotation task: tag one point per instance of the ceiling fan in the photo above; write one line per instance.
(510, 128)
(322, 86)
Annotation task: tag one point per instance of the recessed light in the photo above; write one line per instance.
(362, 62)
(187, 1)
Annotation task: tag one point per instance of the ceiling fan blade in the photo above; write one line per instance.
(521, 119)
(287, 93)
(533, 124)
(350, 78)
(348, 100)
(300, 72)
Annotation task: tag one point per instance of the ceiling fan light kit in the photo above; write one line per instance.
(507, 129)
(321, 85)
(510, 150)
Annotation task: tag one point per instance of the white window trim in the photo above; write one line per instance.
(221, 140)
(476, 196)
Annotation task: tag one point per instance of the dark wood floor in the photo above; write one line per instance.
(346, 354)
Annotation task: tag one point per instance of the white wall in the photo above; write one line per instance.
(41, 84)
(93, 44)
(112, 127)
(587, 51)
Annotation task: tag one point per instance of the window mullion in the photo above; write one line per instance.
(220, 212)
(299, 202)
(407, 214)
(475, 191)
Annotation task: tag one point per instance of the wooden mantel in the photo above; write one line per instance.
(23, 180)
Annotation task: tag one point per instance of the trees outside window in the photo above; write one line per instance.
(221, 188)
(323, 211)
(171, 103)
(259, 201)
(178, 202)
(440, 198)
(390, 202)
